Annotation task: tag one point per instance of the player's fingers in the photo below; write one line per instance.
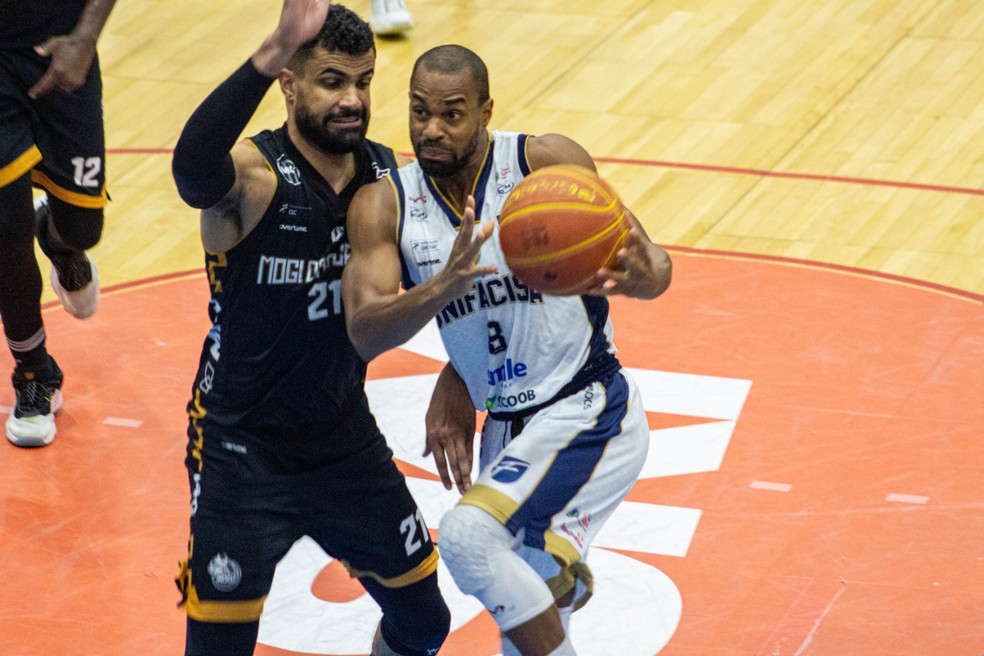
(442, 468)
(45, 85)
(461, 466)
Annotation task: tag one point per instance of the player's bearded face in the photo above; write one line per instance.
(451, 162)
(340, 130)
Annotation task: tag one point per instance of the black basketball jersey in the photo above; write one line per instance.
(278, 352)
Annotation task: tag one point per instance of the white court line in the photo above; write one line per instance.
(772, 487)
(907, 498)
(126, 423)
(816, 625)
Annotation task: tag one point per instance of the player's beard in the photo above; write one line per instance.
(322, 136)
(446, 168)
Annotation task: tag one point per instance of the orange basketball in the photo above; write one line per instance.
(559, 225)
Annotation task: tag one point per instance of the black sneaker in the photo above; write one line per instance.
(32, 421)
(74, 277)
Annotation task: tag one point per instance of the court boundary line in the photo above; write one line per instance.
(707, 168)
(686, 250)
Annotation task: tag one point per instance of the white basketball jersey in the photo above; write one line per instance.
(514, 347)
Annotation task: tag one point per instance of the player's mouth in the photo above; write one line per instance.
(434, 153)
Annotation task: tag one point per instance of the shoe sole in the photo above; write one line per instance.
(66, 296)
(35, 441)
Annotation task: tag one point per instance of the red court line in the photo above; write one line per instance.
(826, 266)
(764, 173)
(708, 168)
(841, 268)
(698, 251)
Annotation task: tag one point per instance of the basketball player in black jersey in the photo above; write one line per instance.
(281, 440)
(51, 137)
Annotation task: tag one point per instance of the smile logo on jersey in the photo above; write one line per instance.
(289, 170)
(509, 469)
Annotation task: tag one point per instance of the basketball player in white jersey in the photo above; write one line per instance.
(566, 434)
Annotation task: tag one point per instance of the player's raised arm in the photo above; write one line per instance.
(230, 182)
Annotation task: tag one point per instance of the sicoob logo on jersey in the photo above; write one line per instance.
(509, 469)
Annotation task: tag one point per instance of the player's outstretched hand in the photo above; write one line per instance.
(463, 264)
(71, 58)
(301, 20)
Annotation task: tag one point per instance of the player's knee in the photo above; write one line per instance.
(467, 540)
(480, 554)
(78, 228)
(419, 621)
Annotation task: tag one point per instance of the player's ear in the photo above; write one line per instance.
(288, 84)
(486, 112)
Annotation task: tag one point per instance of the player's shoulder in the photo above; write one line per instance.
(381, 155)
(552, 148)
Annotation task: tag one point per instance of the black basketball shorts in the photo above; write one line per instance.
(59, 137)
(256, 492)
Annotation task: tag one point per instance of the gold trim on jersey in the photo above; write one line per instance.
(502, 508)
(21, 165)
(427, 567)
(68, 196)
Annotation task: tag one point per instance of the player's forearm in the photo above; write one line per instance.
(389, 322)
(202, 167)
(93, 19)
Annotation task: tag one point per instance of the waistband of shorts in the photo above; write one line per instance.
(595, 369)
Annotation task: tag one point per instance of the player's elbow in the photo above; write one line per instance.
(361, 336)
(663, 275)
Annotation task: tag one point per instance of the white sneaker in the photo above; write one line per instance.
(80, 303)
(32, 419)
(389, 17)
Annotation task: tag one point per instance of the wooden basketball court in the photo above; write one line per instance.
(813, 378)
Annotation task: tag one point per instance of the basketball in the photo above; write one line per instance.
(558, 226)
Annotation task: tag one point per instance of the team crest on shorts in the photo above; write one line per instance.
(509, 469)
(225, 572)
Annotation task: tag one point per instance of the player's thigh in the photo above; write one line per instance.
(18, 151)
(71, 138)
(367, 518)
(240, 529)
(571, 465)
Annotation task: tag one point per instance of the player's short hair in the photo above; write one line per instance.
(453, 58)
(343, 31)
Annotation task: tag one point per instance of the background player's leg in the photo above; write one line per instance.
(65, 232)
(36, 378)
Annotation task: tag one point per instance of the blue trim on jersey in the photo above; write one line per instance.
(596, 308)
(573, 466)
(524, 165)
(483, 181)
(401, 197)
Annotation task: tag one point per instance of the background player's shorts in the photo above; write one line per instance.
(256, 494)
(560, 479)
(59, 137)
